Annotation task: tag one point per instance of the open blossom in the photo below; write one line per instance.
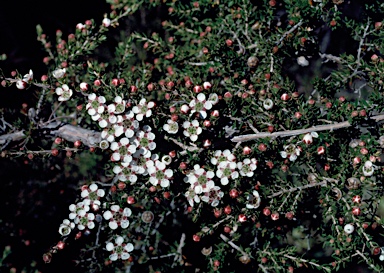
(118, 106)
(144, 141)
(127, 124)
(79, 209)
(171, 126)
(222, 157)
(192, 129)
(27, 78)
(200, 105)
(212, 197)
(111, 132)
(247, 166)
(64, 92)
(96, 104)
(92, 195)
(368, 168)
(227, 170)
(143, 109)
(81, 216)
(59, 73)
(291, 152)
(119, 249)
(126, 171)
(200, 179)
(192, 196)
(66, 227)
(268, 104)
(158, 173)
(123, 150)
(117, 216)
(253, 200)
(85, 221)
(308, 138)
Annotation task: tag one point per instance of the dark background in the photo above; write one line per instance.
(33, 202)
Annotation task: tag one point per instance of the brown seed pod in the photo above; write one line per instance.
(337, 193)
(147, 217)
(244, 259)
(206, 251)
(353, 183)
(252, 62)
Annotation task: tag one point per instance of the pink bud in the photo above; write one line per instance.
(285, 97)
(197, 89)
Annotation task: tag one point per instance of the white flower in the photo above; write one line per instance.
(222, 156)
(267, 104)
(253, 200)
(171, 127)
(85, 221)
(64, 92)
(59, 73)
(95, 105)
(80, 26)
(144, 141)
(291, 152)
(118, 106)
(192, 129)
(117, 216)
(213, 98)
(348, 228)
(212, 197)
(92, 195)
(123, 150)
(192, 196)
(21, 84)
(80, 209)
(106, 22)
(159, 175)
(368, 168)
(66, 227)
(127, 124)
(119, 249)
(143, 109)
(110, 133)
(302, 61)
(200, 179)
(126, 172)
(308, 138)
(200, 105)
(84, 86)
(28, 77)
(226, 170)
(247, 166)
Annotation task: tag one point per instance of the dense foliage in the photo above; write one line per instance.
(220, 136)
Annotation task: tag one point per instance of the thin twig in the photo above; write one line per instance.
(317, 128)
(323, 183)
(232, 244)
(289, 32)
(307, 261)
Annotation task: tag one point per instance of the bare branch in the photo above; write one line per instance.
(317, 128)
(68, 132)
(289, 32)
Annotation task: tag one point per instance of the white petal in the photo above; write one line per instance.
(109, 246)
(113, 225)
(128, 247)
(119, 240)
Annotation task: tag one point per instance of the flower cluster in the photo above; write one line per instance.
(82, 213)
(202, 186)
(27, 78)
